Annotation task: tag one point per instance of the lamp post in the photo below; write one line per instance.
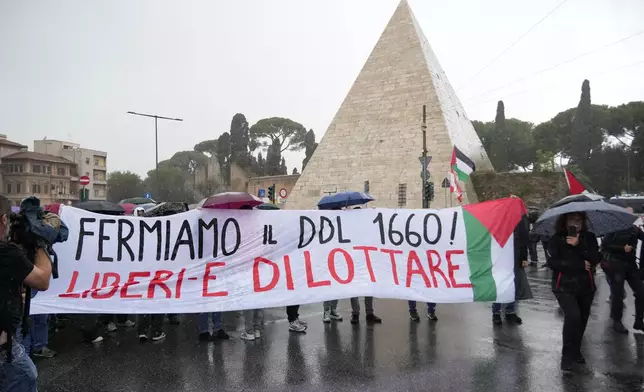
(628, 169)
(156, 135)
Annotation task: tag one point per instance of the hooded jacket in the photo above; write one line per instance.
(568, 263)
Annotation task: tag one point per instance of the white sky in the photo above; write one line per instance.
(71, 69)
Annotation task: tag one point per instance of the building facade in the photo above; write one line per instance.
(48, 177)
(7, 147)
(258, 186)
(90, 163)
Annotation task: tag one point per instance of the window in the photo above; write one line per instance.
(8, 187)
(9, 168)
(35, 188)
(36, 168)
(18, 168)
(60, 171)
(366, 186)
(97, 192)
(18, 187)
(87, 161)
(96, 162)
(402, 195)
(46, 169)
(45, 188)
(62, 190)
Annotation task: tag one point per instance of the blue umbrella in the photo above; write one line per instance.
(602, 218)
(344, 199)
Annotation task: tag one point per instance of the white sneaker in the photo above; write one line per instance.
(327, 317)
(158, 337)
(302, 323)
(111, 327)
(296, 327)
(129, 324)
(258, 334)
(247, 336)
(333, 315)
(98, 339)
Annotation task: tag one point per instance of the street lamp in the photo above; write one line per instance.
(156, 134)
(628, 169)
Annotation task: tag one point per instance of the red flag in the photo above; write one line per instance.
(574, 185)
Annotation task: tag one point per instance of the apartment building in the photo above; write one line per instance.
(47, 177)
(7, 147)
(90, 163)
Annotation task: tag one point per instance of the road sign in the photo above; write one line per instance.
(445, 183)
(148, 195)
(283, 193)
(83, 180)
(424, 175)
(425, 165)
(262, 192)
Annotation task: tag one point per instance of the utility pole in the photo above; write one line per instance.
(156, 135)
(424, 162)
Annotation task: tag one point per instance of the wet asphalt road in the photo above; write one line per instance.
(461, 352)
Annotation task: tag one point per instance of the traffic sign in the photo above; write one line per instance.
(83, 180)
(425, 165)
(262, 192)
(424, 175)
(445, 183)
(283, 193)
(148, 195)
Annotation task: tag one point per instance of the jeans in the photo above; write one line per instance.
(576, 308)
(147, 321)
(617, 280)
(509, 308)
(331, 305)
(355, 305)
(291, 312)
(253, 320)
(203, 322)
(20, 375)
(431, 307)
(38, 335)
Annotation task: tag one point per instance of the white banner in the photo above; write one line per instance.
(222, 260)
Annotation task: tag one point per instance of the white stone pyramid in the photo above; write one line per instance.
(376, 134)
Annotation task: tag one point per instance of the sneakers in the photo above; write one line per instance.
(619, 327)
(355, 318)
(296, 326)
(221, 334)
(513, 318)
(128, 324)
(372, 318)
(173, 319)
(302, 323)
(413, 315)
(334, 315)
(326, 318)
(143, 338)
(44, 352)
(247, 336)
(111, 327)
(432, 316)
(158, 336)
(496, 319)
(97, 339)
(258, 334)
(566, 364)
(639, 326)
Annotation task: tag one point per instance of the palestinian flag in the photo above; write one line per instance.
(454, 186)
(461, 165)
(489, 227)
(575, 187)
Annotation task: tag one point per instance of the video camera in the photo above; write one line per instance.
(33, 228)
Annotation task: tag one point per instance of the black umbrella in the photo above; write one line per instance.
(576, 198)
(101, 207)
(267, 206)
(602, 218)
(166, 208)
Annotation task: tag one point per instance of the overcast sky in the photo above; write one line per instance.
(71, 69)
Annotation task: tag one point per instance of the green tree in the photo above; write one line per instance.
(283, 168)
(284, 133)
(295, 171)
(586, 135)
(239, 141)
(122, 185)
(208, 147)
(171, 186)
(261, 165)
(273, 159)
(509, 145)
(309, 147)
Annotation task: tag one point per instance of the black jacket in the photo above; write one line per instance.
(613, 248)
(521, 243)
(567, 262)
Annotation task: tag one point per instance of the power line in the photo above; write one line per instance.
(515, 42)
(556, 65)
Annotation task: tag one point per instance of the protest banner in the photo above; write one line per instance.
(222, 260)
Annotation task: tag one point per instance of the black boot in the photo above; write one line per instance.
(619, 327)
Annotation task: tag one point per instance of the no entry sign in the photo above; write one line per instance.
(83, 180)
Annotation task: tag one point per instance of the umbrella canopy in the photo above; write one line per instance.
(101, 207)
(267, 206)
(344, 199)
(230, 200)
(577, 198)
(137, 200)
(128, 207)
(602, 218)
(192, 206)
(166, 208)
(147, 206)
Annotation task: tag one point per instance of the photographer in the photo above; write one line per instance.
(18, 372)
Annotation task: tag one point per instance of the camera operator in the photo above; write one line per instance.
(18, 372)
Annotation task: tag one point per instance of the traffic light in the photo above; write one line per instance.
(83, 194)
(271, 193)
(429, 191)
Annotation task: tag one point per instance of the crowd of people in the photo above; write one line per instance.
(572, 253)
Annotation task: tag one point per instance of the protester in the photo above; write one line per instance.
(573, 255)
(218, 331)
(330, 311)
(36, 339)
(17, 371)
(522, 241)
(294, 322)
(620, 265)
(431, 311)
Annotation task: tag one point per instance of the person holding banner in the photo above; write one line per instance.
(431, 311)
(574, 253)
(330, 311)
